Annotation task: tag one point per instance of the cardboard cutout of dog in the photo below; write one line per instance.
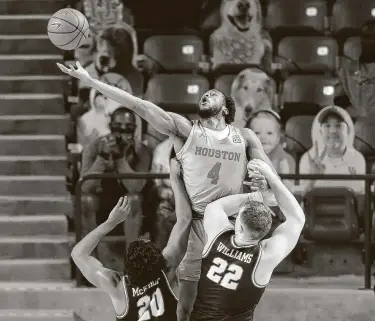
(114, 42)
(100, 13)
(241, 38)
(252, 90)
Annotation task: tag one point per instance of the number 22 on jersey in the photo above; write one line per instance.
(214, 173)
(224, 274)
(150, 306)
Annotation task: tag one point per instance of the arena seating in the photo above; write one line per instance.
(308, 54)
(349, 15)
(177, 92)
(309, 36)
(316, 89)
(296, 17)
(175, 53)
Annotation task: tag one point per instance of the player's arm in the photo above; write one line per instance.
(216, 215)
(91, 268)
(176, 247)
(286, 235)
(154, 115)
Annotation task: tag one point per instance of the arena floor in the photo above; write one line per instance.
(286, 299)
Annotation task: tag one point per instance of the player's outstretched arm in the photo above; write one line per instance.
(286, 235)
(81, 254)
(154, 115)
(175, 250)
(216, 215)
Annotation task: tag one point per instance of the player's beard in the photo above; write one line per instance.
(207, 113)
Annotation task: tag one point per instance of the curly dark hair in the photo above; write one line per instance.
(229, 103)
(143, 262)
(257, 218)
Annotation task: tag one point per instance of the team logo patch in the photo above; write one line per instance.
(236, 139)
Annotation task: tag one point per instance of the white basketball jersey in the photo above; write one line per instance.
(212, 168)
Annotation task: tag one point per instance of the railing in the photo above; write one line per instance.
(367, 212)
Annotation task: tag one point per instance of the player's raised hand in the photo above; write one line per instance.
(260, 166)
(76, 71)
(120, 212)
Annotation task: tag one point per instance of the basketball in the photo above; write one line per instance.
(68, 29)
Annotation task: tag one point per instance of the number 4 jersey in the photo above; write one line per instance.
(212, 167)
(154, 301)
(227, 289)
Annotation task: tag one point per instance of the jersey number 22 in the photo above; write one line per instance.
(150, 306)
(214, 173)
(227, 275)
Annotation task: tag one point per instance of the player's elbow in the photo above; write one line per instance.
(76, 254)
(298, 219)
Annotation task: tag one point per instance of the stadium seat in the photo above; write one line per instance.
(224, 83)
(179, 93)
(298, 135)
(349, 15)
(307, 54)
(296, 17)
(331, 215)
(309, 89)
(352, 48)
(175, 53)
(365, 138)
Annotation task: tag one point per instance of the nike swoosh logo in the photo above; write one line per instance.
(58, 24)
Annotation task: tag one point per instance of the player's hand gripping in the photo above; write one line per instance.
(257, 180)
(261, 167)
(120, 212)
(75, 71)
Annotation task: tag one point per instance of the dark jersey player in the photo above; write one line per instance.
(145, 291)
(237, 264)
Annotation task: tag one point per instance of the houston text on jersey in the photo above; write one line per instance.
(209, 152)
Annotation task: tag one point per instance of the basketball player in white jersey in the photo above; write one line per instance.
(213, 155)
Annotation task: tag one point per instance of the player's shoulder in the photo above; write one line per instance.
(218, 237)
(183, 124)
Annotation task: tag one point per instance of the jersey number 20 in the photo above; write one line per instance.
(214, 173)
(227, 275)
(150, 306)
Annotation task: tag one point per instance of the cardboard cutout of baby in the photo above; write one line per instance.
(266, 124)
(241, 38)
(332, 151)
(94, 123)
(252, 90)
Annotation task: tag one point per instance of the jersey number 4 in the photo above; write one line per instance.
(227, 275)
(214, 173)
(150, 306)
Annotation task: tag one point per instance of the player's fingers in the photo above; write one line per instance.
(63, 68)
(78, 64)
(124, 202)
(119, 202)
